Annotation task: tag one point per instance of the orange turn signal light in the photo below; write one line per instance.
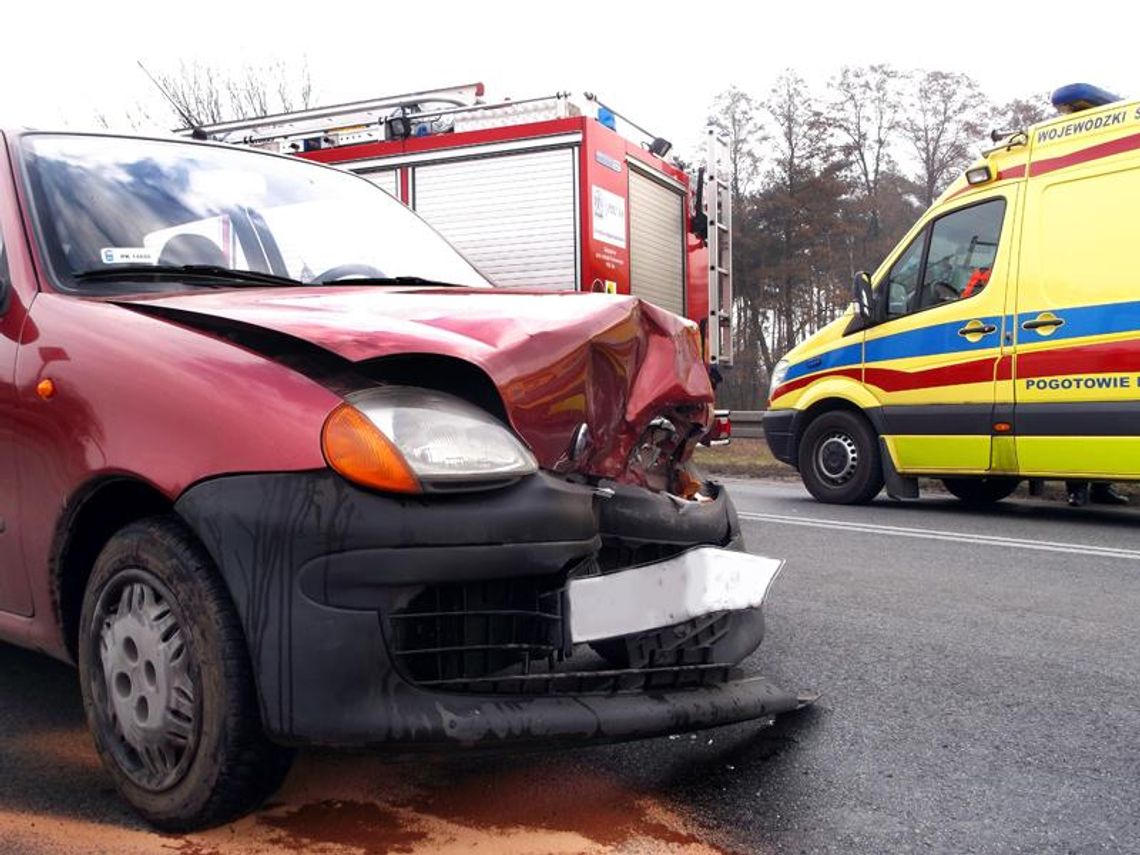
(1002, 427)
(359, 451)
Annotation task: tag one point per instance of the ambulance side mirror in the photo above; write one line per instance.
(863, 299)
(863, 296)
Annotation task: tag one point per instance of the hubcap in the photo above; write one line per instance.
(146, 692)
(837, 458)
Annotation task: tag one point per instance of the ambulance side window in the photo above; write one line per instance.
(902, 281)
(962, 249)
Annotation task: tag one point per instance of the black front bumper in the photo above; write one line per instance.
(780, 427)
(322, 573)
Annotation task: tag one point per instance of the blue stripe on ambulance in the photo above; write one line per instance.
(850, 354)
(930, 341)
(925, 341)
(1080, 321)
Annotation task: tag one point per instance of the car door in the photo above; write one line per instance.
(933, 360)
(1077, 366)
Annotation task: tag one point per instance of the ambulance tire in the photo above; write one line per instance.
(839, 459)
(981, 491)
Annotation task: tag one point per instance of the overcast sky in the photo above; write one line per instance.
(662, 63)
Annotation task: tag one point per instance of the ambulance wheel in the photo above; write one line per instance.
(839, 459)
(981, 491)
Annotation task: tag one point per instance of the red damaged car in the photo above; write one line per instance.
(279, 467)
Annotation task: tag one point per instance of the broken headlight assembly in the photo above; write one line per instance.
(406, 440)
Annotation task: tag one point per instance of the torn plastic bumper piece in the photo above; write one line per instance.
(565, 720)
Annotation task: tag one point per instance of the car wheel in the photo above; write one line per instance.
(839, 459)
(167, 684)
(981, 491)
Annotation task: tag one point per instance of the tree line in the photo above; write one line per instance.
(824, 185)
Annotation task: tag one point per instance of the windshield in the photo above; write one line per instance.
(107, 204)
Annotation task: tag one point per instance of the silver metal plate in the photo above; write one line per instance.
(698, 582)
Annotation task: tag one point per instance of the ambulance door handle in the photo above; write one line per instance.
(973, 328)
(1043, 321)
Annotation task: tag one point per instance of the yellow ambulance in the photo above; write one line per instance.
(999, 341)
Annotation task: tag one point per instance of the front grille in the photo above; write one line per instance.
(617, 554)
(678, 646)
(449, 633)
(509, 636)
(591, 682)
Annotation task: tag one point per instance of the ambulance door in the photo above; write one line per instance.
(932, 360)
(1077, 367)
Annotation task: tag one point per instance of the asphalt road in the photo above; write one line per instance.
(981, 694)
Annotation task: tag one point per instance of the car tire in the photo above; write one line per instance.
(167, 684)
(839, 459)
(981, 491)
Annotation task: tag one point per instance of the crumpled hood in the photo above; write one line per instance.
(558, 359)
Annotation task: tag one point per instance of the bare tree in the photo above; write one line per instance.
(800, 188)
(945, 117)
(1020, 113)
(864, 113)
(206, 95)
(733, 114)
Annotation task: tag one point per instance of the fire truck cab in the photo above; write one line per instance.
(537, 194)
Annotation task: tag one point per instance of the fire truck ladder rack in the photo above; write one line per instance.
(379, 119)
(355, 113)
(718, 209)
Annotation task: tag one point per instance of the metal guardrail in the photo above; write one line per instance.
(746, 424)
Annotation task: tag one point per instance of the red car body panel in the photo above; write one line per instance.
(204, 408)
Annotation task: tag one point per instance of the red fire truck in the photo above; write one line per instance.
(535, 193)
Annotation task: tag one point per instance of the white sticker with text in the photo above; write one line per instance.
(126, 255)
(609, 217)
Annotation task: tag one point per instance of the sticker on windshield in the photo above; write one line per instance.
(126, 255)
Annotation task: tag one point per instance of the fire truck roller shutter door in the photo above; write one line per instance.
(656, 242)
(513, 215)
(387, 180)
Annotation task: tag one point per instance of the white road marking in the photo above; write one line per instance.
(955, 536)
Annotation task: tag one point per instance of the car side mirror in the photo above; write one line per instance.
(863, 300)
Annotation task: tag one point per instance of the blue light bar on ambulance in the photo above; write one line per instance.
(1081, 96)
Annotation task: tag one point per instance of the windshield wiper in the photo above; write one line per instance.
(388, 280)
(184, 271)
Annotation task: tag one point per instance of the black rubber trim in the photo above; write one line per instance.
(453, 721)
(1003, 412)
(780, 428)
(1103, 418)
(938, 420)
(898, 486)
(359, 579)
(636, 515)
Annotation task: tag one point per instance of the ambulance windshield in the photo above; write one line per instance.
(148, 209)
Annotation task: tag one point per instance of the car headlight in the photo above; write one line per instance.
(406, 440)
(778, 375)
